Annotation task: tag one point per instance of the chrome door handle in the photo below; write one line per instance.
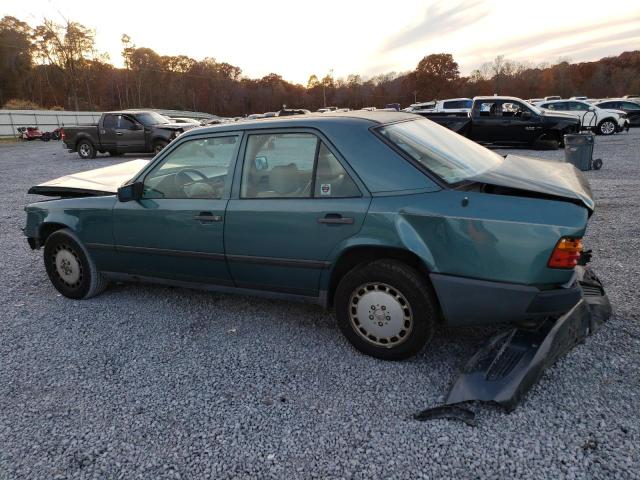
(119, 134)
(207, 217)
(336, 219)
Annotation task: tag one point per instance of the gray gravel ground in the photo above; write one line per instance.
(155, 382)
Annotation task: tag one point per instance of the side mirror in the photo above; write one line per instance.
(592, 109)
(526, 115)
(130, 192)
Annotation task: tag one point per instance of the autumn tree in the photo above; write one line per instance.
(68, 48)
(15, 57)
(435, 74)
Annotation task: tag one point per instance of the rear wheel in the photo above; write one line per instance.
(86, 149)
(70, 267)
(386, 309)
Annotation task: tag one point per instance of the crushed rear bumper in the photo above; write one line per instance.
(512, 361)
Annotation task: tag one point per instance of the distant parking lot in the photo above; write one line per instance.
(173, 383)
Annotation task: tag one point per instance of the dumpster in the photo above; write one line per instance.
(578, 150)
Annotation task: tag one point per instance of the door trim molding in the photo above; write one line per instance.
(250, 259)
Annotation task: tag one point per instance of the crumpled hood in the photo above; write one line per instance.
(559, 179)
(100, 181)
(176, 126)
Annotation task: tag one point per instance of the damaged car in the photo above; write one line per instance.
(396, 223)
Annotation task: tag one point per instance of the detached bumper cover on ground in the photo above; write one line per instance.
(512, 361)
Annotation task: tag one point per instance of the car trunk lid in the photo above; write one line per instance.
(557, 179)
(100, 181)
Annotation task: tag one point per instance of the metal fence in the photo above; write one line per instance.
(49, 120)
(45, 120)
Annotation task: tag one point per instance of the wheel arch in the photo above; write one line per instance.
(47, 228)
(362, 254)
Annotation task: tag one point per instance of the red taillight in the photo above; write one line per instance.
(566, 253)
(62, 133)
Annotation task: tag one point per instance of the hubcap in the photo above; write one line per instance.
(84, 150)
(608, 128)
(380, 315)
(67, 265)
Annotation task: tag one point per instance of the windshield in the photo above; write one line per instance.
(151, 118)
(452, 157)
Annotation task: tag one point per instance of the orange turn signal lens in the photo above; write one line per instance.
(566, 253)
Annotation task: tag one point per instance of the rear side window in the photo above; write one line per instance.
(292, 165)
(279, 165)
(331, 178)
(109, 121)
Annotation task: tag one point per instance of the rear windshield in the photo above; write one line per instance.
(450, 156)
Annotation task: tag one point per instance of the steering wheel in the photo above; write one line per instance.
(183, 179)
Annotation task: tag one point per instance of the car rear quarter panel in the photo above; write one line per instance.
(495, 237)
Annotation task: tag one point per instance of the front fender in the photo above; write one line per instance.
(89, 217)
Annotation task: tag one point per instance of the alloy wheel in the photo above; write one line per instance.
(380, 314)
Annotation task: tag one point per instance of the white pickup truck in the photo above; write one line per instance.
(450, 107)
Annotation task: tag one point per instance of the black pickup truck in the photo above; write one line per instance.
(123, 132)
(510, 121)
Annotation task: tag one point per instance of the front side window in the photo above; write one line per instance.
(450, 156)
(194, 169)
(279, 165)
(124, 123)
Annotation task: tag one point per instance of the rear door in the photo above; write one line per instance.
(295, 199)
(108, 132)
(176, 230)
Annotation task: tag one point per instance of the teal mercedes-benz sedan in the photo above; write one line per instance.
(395, 222)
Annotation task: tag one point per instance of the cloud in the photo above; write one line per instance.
(521, 44)
(439, 19)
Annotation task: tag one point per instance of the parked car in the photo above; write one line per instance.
(552, 97)
(395, 222)
(631, 96)
(459, 107)
(415, 107)
(631, 108)
(601, 121)
(123, 132)
(511, 121)
(186, 120)
(285, 112)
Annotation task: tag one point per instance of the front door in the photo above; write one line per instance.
(292, 205)
(176, 230)
(130, 135)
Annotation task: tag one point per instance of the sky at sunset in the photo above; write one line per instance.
(298, 38)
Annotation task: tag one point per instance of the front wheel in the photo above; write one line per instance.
(386, 309)
(607, 127)
(70, 267)
(158, 146)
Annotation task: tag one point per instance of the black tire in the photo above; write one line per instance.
(158, 146)
(86, 150)
(607, 127)
(546, 142)
(401, 283)
(70, 267)
(596, 164)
